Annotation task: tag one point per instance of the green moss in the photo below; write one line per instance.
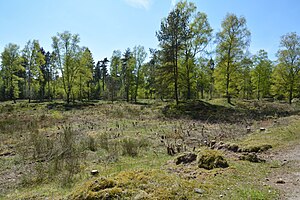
(257, 148)
(210, 159)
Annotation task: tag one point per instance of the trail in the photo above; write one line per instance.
(289, 172)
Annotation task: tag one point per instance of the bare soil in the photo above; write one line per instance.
(286, 177)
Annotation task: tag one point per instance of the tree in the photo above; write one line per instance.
(85, 73)
(170, 37)
(139, 55)
(287, 70)
(67, 58)
(43, 78)
(261, 74)
(203, 76)
(97, 80)
(11, 65)
(246, 82)
(211, 66)
(150, 74)
(104, 71)
(127, 73)
(197, 33)
(232, 41)
(33, 59)
(115, 72)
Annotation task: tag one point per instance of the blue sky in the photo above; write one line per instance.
(107, 25)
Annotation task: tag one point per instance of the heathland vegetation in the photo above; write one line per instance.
(189, 122)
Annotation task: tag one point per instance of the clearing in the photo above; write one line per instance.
(48, 150)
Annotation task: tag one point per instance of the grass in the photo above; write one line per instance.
(107, 136)
(280, 136)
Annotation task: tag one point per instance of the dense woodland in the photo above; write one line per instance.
(182, 67)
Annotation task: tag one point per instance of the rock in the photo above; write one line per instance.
(258, 148)
(262, 129)
(198, 191)
(233, 147)
(186, 158)
(220, 145)
(280, 181)
(142, 195)
(212, 143)
(210, 159)
(94, 172)
(248, 129)
(265, 147)
(295, 100)
(252, 157)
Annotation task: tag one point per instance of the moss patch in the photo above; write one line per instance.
(210, 159)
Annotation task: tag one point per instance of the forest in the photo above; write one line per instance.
(180, 68)
(197, 117)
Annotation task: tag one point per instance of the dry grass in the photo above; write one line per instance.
(54, 145)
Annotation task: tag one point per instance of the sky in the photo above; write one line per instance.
(108, 25)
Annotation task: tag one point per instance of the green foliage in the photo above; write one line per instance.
(286, 73)
(11, 66)
(232, 40)
(261, 75)
(32, 60)
(132, 146)
(67, 59)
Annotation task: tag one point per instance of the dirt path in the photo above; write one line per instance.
(287, 177)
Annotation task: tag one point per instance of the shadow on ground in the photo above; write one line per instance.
(240, 112)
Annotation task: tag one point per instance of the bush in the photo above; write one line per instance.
(91, 143)
(132, 146)
(103, 141)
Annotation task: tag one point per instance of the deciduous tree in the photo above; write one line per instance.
(232, 41)
(11, 65)
(286, 74)
(67, 50)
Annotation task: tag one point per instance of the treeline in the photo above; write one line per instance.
(181, 68)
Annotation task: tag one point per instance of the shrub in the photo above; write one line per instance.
(103, 141)
(91, 143)
(130, 146)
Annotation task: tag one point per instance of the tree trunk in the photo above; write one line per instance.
(291, 93)
(227, 87)
(188, 76)
(68, 93)
(89, 90)
(29, 89)
(103, 82)
(258, 88)
(80, 89)
(176, 76)
(127, 93)
(137, 85)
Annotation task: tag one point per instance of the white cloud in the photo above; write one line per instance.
(145, 4)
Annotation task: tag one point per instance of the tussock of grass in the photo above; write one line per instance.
(147, 184)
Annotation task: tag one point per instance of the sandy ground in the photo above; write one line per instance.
(287, 177)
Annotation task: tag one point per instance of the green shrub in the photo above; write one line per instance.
(91, 143)
(130, 146)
